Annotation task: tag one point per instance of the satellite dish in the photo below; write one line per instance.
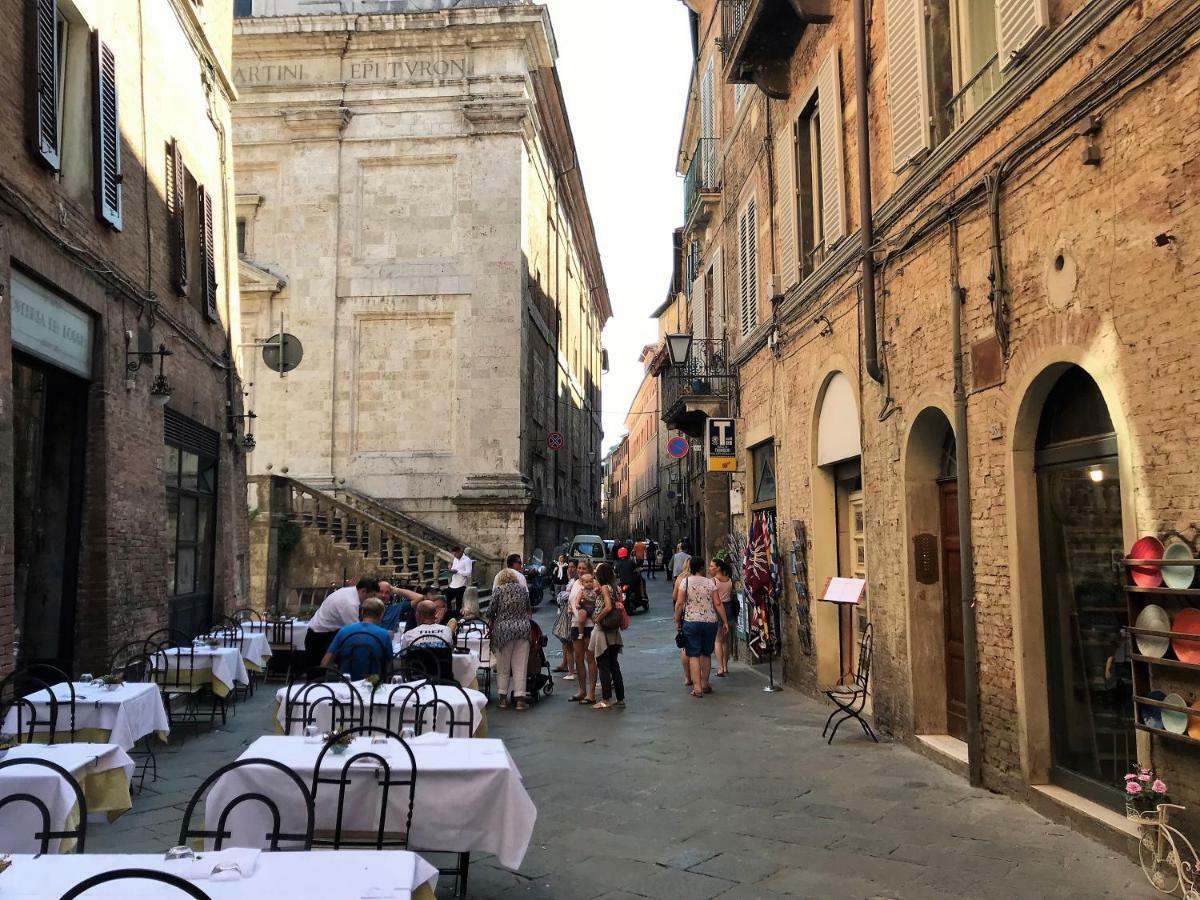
(282, 352)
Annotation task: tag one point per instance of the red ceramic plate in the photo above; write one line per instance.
(1188, 622)
(1148, 547)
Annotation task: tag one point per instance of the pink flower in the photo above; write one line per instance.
(1159, 786)
(1144, 777)
(1133, 788)
(1131, 777)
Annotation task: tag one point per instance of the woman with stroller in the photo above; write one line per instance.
(509, 616)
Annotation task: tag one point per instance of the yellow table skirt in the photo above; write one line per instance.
(87, 736)
(198, 680)
(106, 792)
(481, 730)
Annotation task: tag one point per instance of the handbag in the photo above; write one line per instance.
(680, 640)
(625, 620)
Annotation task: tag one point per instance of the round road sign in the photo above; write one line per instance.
(678, 447)
(555, 440)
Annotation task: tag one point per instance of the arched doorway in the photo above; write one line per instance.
(1092, 743)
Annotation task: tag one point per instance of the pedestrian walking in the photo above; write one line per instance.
(606, 640)
(509, 615)
(721, 573)
(562, 572)
(679, 562)
(562, 624)
(699, 617)
(653, 558)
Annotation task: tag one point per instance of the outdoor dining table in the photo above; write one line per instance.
(120, 715)
(396, 874)
(220, 667)
(299, 630)
(103, 771)
(379, 715)
(255, 649)
(469, 796)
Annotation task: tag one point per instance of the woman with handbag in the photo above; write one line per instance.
(698, 617)
(606, 639)
(721, 572)
(562, 625)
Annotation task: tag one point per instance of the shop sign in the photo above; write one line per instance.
(48, 327)
(722, 453)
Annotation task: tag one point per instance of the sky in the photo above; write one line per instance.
(625, 67)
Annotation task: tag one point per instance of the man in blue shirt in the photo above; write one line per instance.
(362, 648)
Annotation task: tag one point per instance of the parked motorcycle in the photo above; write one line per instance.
(536, 578)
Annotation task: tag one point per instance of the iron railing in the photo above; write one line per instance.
(703, 175)
(706, 375)
(975, 92)
(734, 17)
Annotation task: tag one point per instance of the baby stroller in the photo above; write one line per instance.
(539, 680)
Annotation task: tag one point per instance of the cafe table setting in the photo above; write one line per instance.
(221, 668)
(465, 662)
(103, 772)
(469, 796)
(386, 694)
(120, 714)
(234, 873)
(299, 629)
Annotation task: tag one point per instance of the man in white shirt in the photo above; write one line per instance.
(427, 627)
(338, 609)
(460, 576)
(513, 561)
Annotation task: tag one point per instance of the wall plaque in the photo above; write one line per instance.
(48, 327)
(925, 558)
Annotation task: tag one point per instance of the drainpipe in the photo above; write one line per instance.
(966, 547)
(866, 230)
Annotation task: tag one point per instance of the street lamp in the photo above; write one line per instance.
(679, 346)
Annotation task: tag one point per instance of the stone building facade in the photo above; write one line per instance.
(413, 218)
(122, 495)
(650, 511)
(1032, 201)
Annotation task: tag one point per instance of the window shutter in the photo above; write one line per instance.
(785, 177)
(106, 134)
(43, 82)
(708, 126)
(908, 88)
(177, 226)
(833, 184)
(208, 261)
(699, 325)
(1018, 24)
(716, 328)
(748, 267)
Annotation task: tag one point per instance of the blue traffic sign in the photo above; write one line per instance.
(678, 447)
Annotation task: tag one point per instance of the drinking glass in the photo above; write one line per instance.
(407, 733)
(181, 852)
(312, 734)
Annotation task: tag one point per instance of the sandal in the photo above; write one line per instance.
(568, 678)
(576, 698)
(697, 696)
(620, 704)
(603, 704)
(708, 689)
(503, 703)
(560, 669)
(722, 674)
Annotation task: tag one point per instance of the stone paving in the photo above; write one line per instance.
(733, 796)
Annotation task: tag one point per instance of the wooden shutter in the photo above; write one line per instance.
(1018, 24)
(699, 322)
(177, 224)
(833, 184)
(908, 87)
(708, 127)
(42, 82)
(106, 134)
(716, 328)
(208, 261)
(785, 180)
(748, 266)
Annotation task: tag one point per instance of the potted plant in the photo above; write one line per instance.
(341, 743)
(113, 680)
(1144, 790)
(7, 741)
(211, 643)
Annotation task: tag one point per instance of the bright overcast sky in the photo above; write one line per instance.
(625, 66)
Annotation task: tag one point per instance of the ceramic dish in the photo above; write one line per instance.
(1194, 721)
(1152, 715)
(1153, 618)
(1174, 722)
(1148, 547)
(1187, 621)
(1178, 576)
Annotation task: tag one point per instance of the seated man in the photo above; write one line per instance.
(427, 627)
(362, 648)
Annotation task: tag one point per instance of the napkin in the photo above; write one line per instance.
(430, 739)
(201, 867)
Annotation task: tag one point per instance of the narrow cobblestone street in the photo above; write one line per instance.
(734, 796)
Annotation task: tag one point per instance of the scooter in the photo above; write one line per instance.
(535, 578)
(637, 598)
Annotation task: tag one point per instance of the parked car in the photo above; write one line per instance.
(587, 546)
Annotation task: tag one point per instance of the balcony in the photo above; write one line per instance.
(702, 184)
(760, 36)
(700, 389)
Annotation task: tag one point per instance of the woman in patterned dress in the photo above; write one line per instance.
(509, 615)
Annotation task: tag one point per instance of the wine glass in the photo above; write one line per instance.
(312, 733)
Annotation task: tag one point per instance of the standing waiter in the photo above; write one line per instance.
(338, 609)
(460, 576)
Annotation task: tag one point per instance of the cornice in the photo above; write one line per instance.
(196, 34)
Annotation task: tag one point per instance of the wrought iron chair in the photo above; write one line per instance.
(850, 696)
(139, 875)
(402, 701)
(363, 654)
(462, 640)
(54, 676)
(274, 835)
(427, 657)
(385, 775)
(320, 687)
(135, 665)
(228, 633)
(30, 724)
(281, 635)
(175, 670)
(429, 713)
(246, 614)
(47, 834)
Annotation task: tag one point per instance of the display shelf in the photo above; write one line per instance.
(1162, 732)
(1161, 562)
(1147, 701)
(1162, 661)
(1177, 592)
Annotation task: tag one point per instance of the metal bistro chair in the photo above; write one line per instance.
(480, 630)
(365, 653)
(136, 875)
(175, 671)
(428, 712)
(228, 633)
(47, 834)
(281, 635)
(246, 614)
(850, 697)
(135, 665)
(54, 676)
(15, 702)
(427, 657)
(384, 775)
(398, 700)
(304, 697)
(271, 839)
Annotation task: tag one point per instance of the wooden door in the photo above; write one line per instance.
(956, 679)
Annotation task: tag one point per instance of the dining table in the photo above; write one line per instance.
(298, 629)
(388, 704)
(465, 663)
(103, 772)
(119, 714)
(221, 668)
(235, 873)
(468, 794)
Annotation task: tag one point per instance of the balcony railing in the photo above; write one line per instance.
(975, 92)
(706, 378)
(703, 175)
(759, 37)
(735, 17)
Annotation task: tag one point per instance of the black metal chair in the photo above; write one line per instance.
(402, 701)
(55, 676)
(303, 700)
(17, 702)
(477, 628)
(228, 633)
(246, 614)
(179, 678)
(427, 657)
(274, 834)
(363, 654)
(430, 711)
(133, 662)
(850, 696)
(136, 875)
(384, 775)
(47, 833)
(281, 635)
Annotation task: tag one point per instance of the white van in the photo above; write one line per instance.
(587, 546)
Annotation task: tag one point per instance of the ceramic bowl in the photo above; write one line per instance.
(1175, 722)
(1187, 621)
(1194, 721)
(1148, 547)
(1152, 715)
(1178, 576)
(1153, 618)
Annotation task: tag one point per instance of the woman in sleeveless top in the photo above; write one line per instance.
(699, 616)
(721, 573)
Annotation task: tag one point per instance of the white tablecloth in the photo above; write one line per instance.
(20, 821)
(477, 644)
(352, 874)
(466, 665)
(299, 630)
(256, 649)
(469, 794)
(395, 697)
(129, 712)
(225, 662)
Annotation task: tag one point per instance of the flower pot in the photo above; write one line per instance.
(339, 749)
